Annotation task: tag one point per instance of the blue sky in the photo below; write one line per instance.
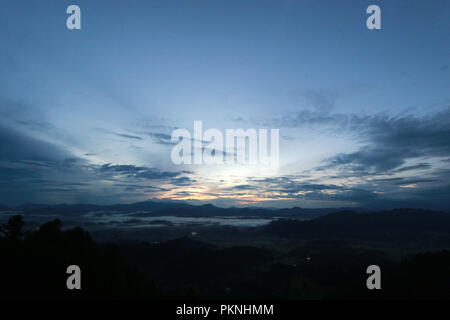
(363, 114)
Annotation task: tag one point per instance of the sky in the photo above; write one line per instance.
(86, 116)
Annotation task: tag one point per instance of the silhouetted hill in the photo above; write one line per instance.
(396, 225)
(209, 210)
(424, 276)
(80, 209)
(29, 207)
(34, 265)
(160, 208)
(185, 243)
(185, 261)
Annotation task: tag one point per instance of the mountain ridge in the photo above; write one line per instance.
(161, 208)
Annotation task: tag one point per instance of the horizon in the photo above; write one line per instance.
(202, 204)
(87, 116)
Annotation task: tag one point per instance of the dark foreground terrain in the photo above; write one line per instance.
(322, 258)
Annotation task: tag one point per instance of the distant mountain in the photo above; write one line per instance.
(80, 209)
(29, 207)
(171, 208)
(209, 210)
(4, 208)
(411, 225)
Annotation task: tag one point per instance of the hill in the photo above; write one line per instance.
(160, 208)
(402, 225)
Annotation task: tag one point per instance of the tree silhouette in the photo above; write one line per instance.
(34, 265)
(13, 229)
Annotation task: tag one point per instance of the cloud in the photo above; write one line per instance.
(138, 187)
(122, 169)
(241, 187)
(132, 171)
(165, 139)
(365, 191)
(161, 138)
(390, 141)
(128, 136)
(34, 170)
(156, 174)
(121, 135)
(394, 152)
(403, 181)
(394, 149)
(182, 181)
(420, 166)
(289, 187)
(15, 146)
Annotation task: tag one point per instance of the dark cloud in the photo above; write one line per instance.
(351, 195)
(128, 136)
(117, 134)
(393, 180)
(372, 193)
(156, 174)
(161, 138)
(182, 181)
(289, 186)
(137, 171)
(125, 169)
(138, 187)
(404, 181)
(420, 166)
(298, 187)
(241, 187)
(371, 160)
(166, 139)
(416, 181)
(392, 141)
(16, 146)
